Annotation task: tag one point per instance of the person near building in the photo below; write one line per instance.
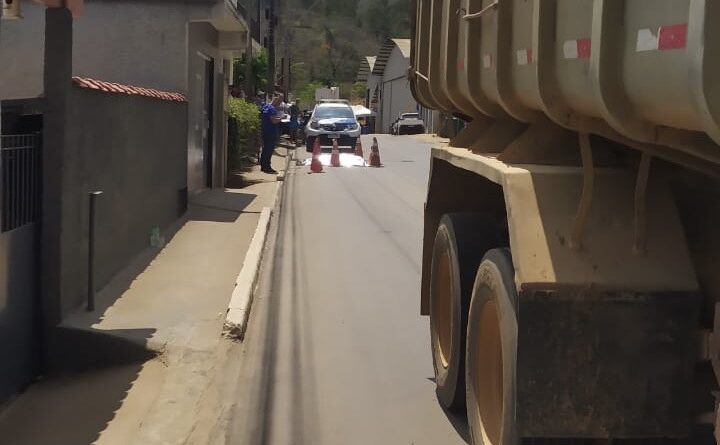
(294, 120)
(271, 118)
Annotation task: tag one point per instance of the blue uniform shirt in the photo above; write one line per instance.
(269, 129)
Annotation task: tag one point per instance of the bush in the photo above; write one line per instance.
(243, 127)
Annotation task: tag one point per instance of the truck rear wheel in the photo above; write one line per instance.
(491, 352)
(460, 243)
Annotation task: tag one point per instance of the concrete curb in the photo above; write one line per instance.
(238, 312)
(239, 309)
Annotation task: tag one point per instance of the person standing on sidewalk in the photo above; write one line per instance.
(294, 122)
(270, 132)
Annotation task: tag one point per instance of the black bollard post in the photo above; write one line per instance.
(91, 253)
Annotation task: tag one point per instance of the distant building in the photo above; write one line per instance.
(365, 75)
(391, 95)
(366, 65)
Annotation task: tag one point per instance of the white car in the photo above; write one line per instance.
(408, 123)
(332, 121)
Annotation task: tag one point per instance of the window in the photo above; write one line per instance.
(334, 112)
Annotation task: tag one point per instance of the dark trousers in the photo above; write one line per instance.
(267, 151)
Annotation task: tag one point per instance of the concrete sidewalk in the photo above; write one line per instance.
(171, 305)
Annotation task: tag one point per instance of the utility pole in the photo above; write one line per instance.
(249, 81)
(271, 47)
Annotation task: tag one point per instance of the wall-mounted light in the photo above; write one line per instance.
(11, 9)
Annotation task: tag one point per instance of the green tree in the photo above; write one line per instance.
(306, 94)
(385, 19)
(259, 69)
(358, 92)
(344, 8)
(378, 19)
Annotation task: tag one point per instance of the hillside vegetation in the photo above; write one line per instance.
(326, 39)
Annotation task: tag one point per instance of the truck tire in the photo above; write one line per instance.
(460, 243)
(491, 352)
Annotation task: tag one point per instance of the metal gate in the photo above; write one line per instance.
(20, 181)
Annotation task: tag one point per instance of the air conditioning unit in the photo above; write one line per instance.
(11, 9)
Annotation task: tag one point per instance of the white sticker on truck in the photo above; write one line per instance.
(647, 40)
(487, 61)
(524, 57)
(570, 49)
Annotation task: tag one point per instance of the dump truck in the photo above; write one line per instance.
(571, 248)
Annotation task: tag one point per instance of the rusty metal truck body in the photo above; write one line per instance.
(572, 230)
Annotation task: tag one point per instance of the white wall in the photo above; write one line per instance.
(396, 95)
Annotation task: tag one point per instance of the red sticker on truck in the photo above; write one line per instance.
(673, 36)
(584, 48)
(666, 38)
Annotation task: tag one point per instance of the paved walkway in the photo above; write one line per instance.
(173, 302)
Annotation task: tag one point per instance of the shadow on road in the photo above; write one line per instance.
(458, 421)
(460, 424)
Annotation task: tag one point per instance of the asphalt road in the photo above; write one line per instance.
(336, 351)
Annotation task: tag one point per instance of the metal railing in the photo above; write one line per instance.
(19, 180)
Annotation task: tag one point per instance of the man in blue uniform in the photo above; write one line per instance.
(270, 133)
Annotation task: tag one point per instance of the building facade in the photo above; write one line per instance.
(181, 46)
(127, 99)
(391, 84)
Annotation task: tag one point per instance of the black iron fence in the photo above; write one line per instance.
(20, 180)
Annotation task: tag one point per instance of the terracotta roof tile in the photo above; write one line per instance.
(112, 87)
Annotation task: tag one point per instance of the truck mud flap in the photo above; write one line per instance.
(605, 365)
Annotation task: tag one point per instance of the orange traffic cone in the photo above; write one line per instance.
(375, 154)
(335, 156)
(358, 148)
(316, 165)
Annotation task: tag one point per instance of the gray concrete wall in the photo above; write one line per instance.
(134, 43)
(149, 44)
(21, 54)
(55, 126)
(129, 42)
(133, 149)
(18, 276)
